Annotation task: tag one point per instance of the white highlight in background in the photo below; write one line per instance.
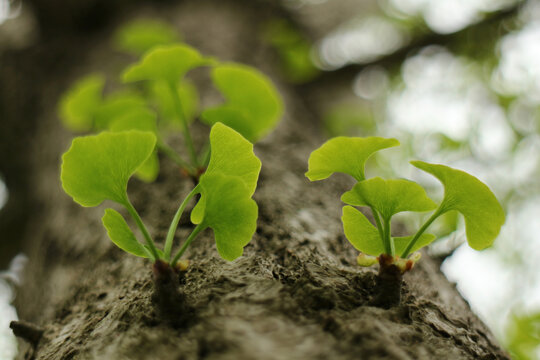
(448, 16)
(8, 280)
(360, 41)
(3, 193)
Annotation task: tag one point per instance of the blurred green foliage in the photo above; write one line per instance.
(294, 51)
(189, 97)
(523, 336)
(253, 105)
(139, 36)
(349, 119)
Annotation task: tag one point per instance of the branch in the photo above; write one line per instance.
(452, 41)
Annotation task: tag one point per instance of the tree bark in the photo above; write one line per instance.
(295, 294)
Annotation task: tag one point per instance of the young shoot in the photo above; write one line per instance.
(464, 193)
(133, 124)
(98, 167)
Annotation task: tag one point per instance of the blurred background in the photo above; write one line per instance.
(456, 81)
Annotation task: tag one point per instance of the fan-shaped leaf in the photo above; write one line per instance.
(97, 168)
(360, 232)
(345, 154)
(121, 235)
(149, 170)
(141, 35)
(228, 209)
(389, 197)
(365, 237)
(78, 106)
(463, 192)
(253, 105)
(233, 155)
(143, 120)
(116, 106)
(400, 243)
(166, 63)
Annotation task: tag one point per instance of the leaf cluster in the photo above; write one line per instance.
(98, 167)
(132, 126)
(463, 193)
(157, 87)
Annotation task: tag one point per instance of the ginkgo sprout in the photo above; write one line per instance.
(133, 124)
(463, 193)
(97, 168)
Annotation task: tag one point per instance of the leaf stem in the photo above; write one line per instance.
(174, 224)
(389, 245)
(190, 238)
(173, 155)
(424, 227)
(180, 113)
(135, 215)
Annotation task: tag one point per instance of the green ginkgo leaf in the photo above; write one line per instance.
(141, 35)
(345, 154)
(365, 237)
(389, 197)
(360, 232)
(233, 155)
(143, 120)
(118, 105)
(229, 211)
(253, 106)
(162, 97)
(166, 63)
(78, 106)
(98, 167)
(400, 243)
(233, 118)
(149, 170)
(483, 214)
(121, 235)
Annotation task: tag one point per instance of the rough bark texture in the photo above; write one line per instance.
(295, 294)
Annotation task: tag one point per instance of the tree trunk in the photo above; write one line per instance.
(295, 294)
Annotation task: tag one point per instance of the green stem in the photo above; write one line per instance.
(135, 215)
(192, 236)
(174, 224)
(173, 155)
(183, 120)
(390, 250)
(424, 227)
